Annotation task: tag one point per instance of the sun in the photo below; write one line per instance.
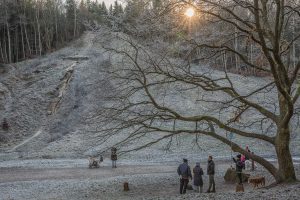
(190, 12)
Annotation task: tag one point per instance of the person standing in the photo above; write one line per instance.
(5, 125)
(239, 165)
(184, 171)
(114, 157)
(211, 174)
(198, 181)
(248, 150)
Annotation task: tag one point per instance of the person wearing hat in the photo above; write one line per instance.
(198, 181)
(184, 172)
(239, 165)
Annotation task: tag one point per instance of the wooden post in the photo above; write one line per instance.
(252, 164)
(239, 188)
(126, 186)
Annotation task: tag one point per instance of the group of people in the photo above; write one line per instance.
(185, 174)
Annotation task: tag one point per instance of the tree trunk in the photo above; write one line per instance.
(25, 32)
(237, 67)
(1, 53)
(27, 40)
(294, 43)
(75, 21)
(225, 61)
(286, 171)
(35, 40)
(5, 51)
(56, 29)
(16, 46)
(22, 39)
(8, 40)
(39, 31)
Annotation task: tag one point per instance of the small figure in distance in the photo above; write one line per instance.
(114, 157)
(5, 125)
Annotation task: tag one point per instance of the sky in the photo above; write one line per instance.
(108, 2)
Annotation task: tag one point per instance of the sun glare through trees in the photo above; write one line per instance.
(190, 12)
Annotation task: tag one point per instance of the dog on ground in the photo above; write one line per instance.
(93, 163)
(257, 181)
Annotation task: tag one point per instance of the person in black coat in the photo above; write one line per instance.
(184, 171)
(211, 175)
(239, 165)
(114, 157)
(198, 181)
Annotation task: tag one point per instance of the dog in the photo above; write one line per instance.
(93, 162)
(257, 181)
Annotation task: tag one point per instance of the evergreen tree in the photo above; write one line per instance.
(104, 10)
(110, 12)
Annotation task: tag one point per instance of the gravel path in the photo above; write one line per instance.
(158, 181)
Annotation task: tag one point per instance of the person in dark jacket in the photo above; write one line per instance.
(211, 174)
(5, 125)
(114, 157)
(198, 181)
(239, 165)
(184, 171)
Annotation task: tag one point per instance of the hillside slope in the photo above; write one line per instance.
(47, 100)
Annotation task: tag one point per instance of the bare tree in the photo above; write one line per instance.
(147, 81)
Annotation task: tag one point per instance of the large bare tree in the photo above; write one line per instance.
(147, 81)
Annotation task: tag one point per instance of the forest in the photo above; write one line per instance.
(30, 28)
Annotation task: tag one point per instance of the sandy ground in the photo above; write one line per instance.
(145, 182)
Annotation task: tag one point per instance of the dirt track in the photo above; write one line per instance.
(145, 181)
(20, 174)
(156, 179)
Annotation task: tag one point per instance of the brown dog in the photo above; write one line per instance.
(257, 181)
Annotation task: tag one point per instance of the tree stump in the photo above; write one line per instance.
(239, 188)
(126, 186)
